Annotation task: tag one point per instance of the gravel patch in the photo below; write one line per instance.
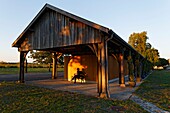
(147, 105)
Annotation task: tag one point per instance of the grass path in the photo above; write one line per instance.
(156, 89)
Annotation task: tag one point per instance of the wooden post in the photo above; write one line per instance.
(119, 58)
(99, 85)
(54, 72)
(107, 70)
(103, 88)
(141, 69)
(131, 70)
(135, 67)
(26, 66)
(49, 68)
(138, 70)
(22, 59)
(121, 69)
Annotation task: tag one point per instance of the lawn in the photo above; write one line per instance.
(156, 89)
(25, 98)
(8, 70)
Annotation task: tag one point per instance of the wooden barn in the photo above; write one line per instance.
(90, 46)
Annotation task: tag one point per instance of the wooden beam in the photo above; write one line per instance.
(121, 69)
(139, 69)
(26, 66)
(94, 49)
(22, 59)
(54, 71)
(131, 70)
(99, 81)
(142, 69)
(107, 70)
(103, 70)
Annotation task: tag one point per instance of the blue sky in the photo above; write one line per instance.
(122, 16)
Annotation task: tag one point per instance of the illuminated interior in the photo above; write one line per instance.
(73, 64)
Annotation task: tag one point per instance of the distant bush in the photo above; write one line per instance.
(2, 66)
(12, 67)
(29, 65)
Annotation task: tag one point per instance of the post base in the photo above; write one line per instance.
(54, 77)
(20, 81)
(104, 95)
(132, 84)
(138, 79)
(122, 85)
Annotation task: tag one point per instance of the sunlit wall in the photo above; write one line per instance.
(89, 63)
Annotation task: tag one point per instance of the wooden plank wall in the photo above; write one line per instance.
(113, 68)
(53, 29)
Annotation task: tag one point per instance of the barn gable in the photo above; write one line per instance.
(53, 28)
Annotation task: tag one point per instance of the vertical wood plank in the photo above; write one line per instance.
(54, 29)
(75, 34)
(67, 31)
(48, 30)
(86, 34)
(51, 28)
(71, 33)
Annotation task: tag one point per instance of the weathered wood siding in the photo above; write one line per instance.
(113, 66)
(53, 29)
(126, 71)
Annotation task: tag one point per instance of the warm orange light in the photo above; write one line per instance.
(25, 45)
(72, 67)
(65, 31)
(97, 26)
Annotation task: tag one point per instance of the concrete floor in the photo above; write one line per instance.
(116, 92)
(44, 80)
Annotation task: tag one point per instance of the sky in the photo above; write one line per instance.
(124, 17)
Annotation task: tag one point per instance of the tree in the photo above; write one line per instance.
(148, 46)
(162, 62)
(152, 55)
(41, 57)
(45, 57)
(139, 42)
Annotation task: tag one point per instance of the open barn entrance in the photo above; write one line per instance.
(95, 48)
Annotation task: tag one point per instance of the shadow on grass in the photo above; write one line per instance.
(25, 98)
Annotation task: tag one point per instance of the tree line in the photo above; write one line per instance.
(139, 42)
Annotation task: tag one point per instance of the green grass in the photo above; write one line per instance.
(25, 98)
(30, 70)
(156, 89)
